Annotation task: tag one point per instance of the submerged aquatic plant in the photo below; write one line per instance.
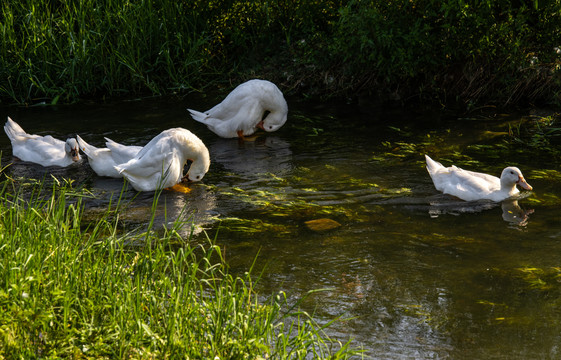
(543, 279)
(541, 133)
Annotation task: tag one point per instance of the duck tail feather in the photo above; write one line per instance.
(432, 165)
(84, 146)
(199, 116)
(13, 130)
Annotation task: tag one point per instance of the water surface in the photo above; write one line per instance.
(420, 275)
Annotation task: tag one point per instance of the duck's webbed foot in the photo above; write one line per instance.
(179, 188)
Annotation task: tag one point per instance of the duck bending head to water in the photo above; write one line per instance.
(42, 150)
(160, 163)
(255, 104)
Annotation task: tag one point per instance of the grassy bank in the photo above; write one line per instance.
(75, 290)
(443, 52)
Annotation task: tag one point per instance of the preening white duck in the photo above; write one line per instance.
(160, 163)
(103, 160)
(471, 186)
(42, 150)
(252, 105)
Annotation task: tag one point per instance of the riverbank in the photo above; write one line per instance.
(403, 52)
(72, 288)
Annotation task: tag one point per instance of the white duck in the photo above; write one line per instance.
(253, 104)
(103, 160)
(471, 186)
(160, 163)
(42, 150)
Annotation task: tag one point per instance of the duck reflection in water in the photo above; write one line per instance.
(196, 209)
(511, 210)
(267, 154)
(514, 214)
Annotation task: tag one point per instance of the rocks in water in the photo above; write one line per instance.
(320, 225)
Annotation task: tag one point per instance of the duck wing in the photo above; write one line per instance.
(150, 172)
(155, 166)
(41, 152)
(48, 139)
(469, 185)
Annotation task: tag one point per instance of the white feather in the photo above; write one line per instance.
(471, 186)
(242, 111)
(42, 150)
(103, 160)
(160, 163)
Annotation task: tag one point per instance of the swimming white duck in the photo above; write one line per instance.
(160, 163)
(42, 150)
(253, 104)
(103, 160)
(471, 186)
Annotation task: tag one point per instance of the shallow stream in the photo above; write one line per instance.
(417, 274)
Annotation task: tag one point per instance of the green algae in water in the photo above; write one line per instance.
(540, 278)
(255, 226)
(545, 199)
(303, 197)
(278, 205)
(547, 174)
(423, 314)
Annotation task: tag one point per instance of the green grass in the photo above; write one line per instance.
(68, 50)
(445, 52)
(75, 290)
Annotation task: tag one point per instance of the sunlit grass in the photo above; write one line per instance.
(93, 290)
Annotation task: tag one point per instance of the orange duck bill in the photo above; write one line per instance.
(523, 184)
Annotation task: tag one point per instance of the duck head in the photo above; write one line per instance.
(512, 176)
(199, 166)
(274, 119)
(73, 149)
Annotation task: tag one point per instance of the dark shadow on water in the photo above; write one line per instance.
(18, 169)
(251, 158)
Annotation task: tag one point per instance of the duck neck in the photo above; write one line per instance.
(201, 160)
(509, 187)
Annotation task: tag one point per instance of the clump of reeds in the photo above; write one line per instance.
(93, 48)
(70, 289)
